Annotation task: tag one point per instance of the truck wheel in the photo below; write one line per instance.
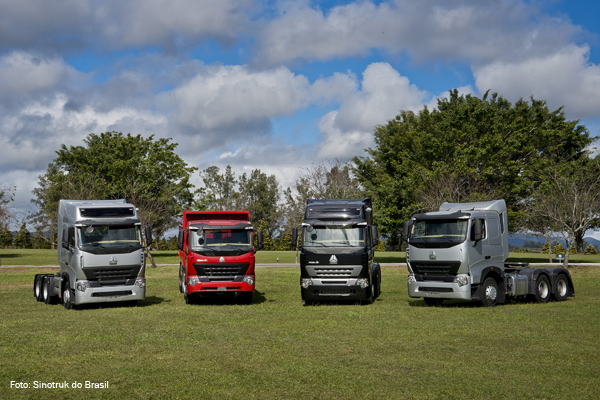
(489, 293)
(48, 294)
(246, 297)
(37, 288)
(561, 288)
(432, 301)
(189, 299)
(542, 289)
(378, 283)
(181, 278)
(67, 299)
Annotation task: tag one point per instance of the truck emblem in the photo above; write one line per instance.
(333, 259)
(222, 259)
(113, 260)
(432, 255)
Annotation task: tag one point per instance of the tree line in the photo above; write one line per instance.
(467, 149)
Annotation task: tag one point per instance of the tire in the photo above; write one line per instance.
(181, 278)
(542, 289)
(246, 297)
(433, 301)
(48, 294)
(67, 297)
(561, 288)
(189, 299)
(378, 283)
(37, 288)
(489, 293)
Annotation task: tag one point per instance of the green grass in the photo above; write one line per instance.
(278, 348)
(48, 257)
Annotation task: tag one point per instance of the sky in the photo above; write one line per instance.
(273, 85)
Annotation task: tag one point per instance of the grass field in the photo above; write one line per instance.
(278, 348)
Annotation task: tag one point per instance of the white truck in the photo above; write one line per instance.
(100, 254)
(460, 252)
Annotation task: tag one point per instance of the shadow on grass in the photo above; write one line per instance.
(446, 304)
(10, 255)
(226, 299)
(149, 301)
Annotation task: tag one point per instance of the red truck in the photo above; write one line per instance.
(216, 249)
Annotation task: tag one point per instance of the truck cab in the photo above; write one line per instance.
(460, 252)
(216, 250)
(100, 254)
(337, 251)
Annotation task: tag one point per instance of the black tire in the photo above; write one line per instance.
(542, 289)
(67, 297)
(48, 293)
(246, 297)
(309, 302)
(433, 301)
(189, 299)
(37, 287)
(561, 288)
(378, 283)
(181, 278)
(489, 293)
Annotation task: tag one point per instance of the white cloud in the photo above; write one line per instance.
(463, 30)
(563, 78)
(22, 73)
(384, 93)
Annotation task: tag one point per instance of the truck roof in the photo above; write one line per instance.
(494, 205)
(215, 218)
(338, 210)
(94, 211)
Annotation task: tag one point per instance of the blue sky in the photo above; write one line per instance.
(275, 85)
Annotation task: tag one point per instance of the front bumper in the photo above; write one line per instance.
(206, 286)
(440, 290)
(333, 289)
(109, 294)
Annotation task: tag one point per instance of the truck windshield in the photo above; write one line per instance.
(452, 231)
(104, 236)
(334, 236)
(221, 239)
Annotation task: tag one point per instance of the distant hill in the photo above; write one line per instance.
(518, 239)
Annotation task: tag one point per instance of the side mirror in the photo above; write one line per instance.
(477, 230)
(148, 236)
(65, 239)
(406, 230)
(374, 235)
(259, 240)
(180, 239)
(294, 237)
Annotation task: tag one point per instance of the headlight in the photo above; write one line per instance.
(411, 279)
(83, 285)
(141, 282)
(249, 279)
(192, 280)
(363, 283)
(305, 282)
(462, 280)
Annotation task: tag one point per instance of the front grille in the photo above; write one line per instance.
(329, 272)
(435, 267)
(435, 289)
(219, 269)
(113, 294)
(107, 276)
(215, 289)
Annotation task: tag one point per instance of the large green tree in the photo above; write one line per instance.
(145, 171)
(467, 149)
(23, 238)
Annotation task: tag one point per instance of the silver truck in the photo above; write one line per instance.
(100, 254)
(460, 252)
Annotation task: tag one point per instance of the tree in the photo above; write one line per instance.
(146, 172)
(482, 148)
(6, 237)
(219, 191)
(591, 250)
(260, 194)
(326, 180)
(6, 196)
(23, 238)
(568, 196)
